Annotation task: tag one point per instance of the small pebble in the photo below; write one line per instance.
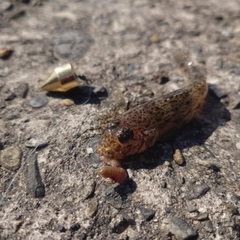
(11, 158)
(147, 213)
(74, 227)
(39, 101)
(183, 180)
(134, 67)
(34, 184)
(93, 143)
(191, 207)
(155, 38)
(67, 102)
(178, 227)
(61, 228)
(92, 208)
(227, 33)
(164, 184)
(89, 150)
(198, 191)
(39, 143)
(202, 217)
(164, 79)
(177, 156)
(216, 92)
(167, 164)
(208, 226)
(6, 53)
(16, 225)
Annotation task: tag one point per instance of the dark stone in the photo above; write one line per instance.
(198, 191)
(39, 101)
(202, 217)
(179, 228)
(164, 79)
(6, 53)
(35, 186)
(219, 18)
(134, 67)
(215, 92)
(119, 224)
(61, 228)
(164, 185)
(26, 1)
(191, 207)
(10, 96)
(208, 226)
(74, 227)
(148, 214)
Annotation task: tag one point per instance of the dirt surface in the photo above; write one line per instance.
(125, 48)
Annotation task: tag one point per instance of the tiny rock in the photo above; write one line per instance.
(148, 214)
(198, 191)
(6, 53)
(208, 226)
(16, 225)
(11, 158)
(155, 38)
(178, 227)
(202, 217)
(92, 208)
(35, 186)
(67, 102)
(178, 157)
(39, 101)
(39, 143)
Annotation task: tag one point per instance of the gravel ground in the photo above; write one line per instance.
(49, 185)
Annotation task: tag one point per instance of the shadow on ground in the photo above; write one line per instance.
(83, 95)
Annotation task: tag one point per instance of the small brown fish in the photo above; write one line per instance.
(139, 128)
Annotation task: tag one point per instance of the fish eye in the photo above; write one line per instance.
(124, 135)
(113, 124)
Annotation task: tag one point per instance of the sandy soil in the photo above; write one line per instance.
(125, 48)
